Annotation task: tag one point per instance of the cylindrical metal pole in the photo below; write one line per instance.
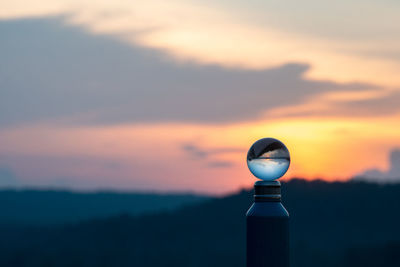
(267, 227)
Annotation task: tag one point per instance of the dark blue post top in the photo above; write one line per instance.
(267, 228)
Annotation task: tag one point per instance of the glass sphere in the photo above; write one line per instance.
(268, 159)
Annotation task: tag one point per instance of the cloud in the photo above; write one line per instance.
(220, 164)
(380, 106)
(211, 155)
(195, 151)
(60, 73)
(264, 33)
(357, 104)
(391, 175)
(202, 153)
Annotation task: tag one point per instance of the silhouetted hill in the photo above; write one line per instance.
(50, 207)
(332, 224)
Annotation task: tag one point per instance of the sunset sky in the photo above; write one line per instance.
(169, 95)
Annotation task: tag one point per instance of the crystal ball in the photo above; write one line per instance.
(268, 159)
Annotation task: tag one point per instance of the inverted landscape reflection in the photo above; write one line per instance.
(269, 169)
(268, 159)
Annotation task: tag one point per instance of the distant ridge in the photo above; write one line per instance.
(59, 207)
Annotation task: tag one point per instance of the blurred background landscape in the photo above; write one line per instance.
(332, 224)
(124, 128)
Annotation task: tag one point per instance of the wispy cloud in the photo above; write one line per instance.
(220, 164)
(213, 157)
(203, 153)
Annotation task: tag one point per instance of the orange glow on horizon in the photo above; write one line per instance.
(333, 149)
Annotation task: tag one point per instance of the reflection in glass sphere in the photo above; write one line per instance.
(268, 159)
